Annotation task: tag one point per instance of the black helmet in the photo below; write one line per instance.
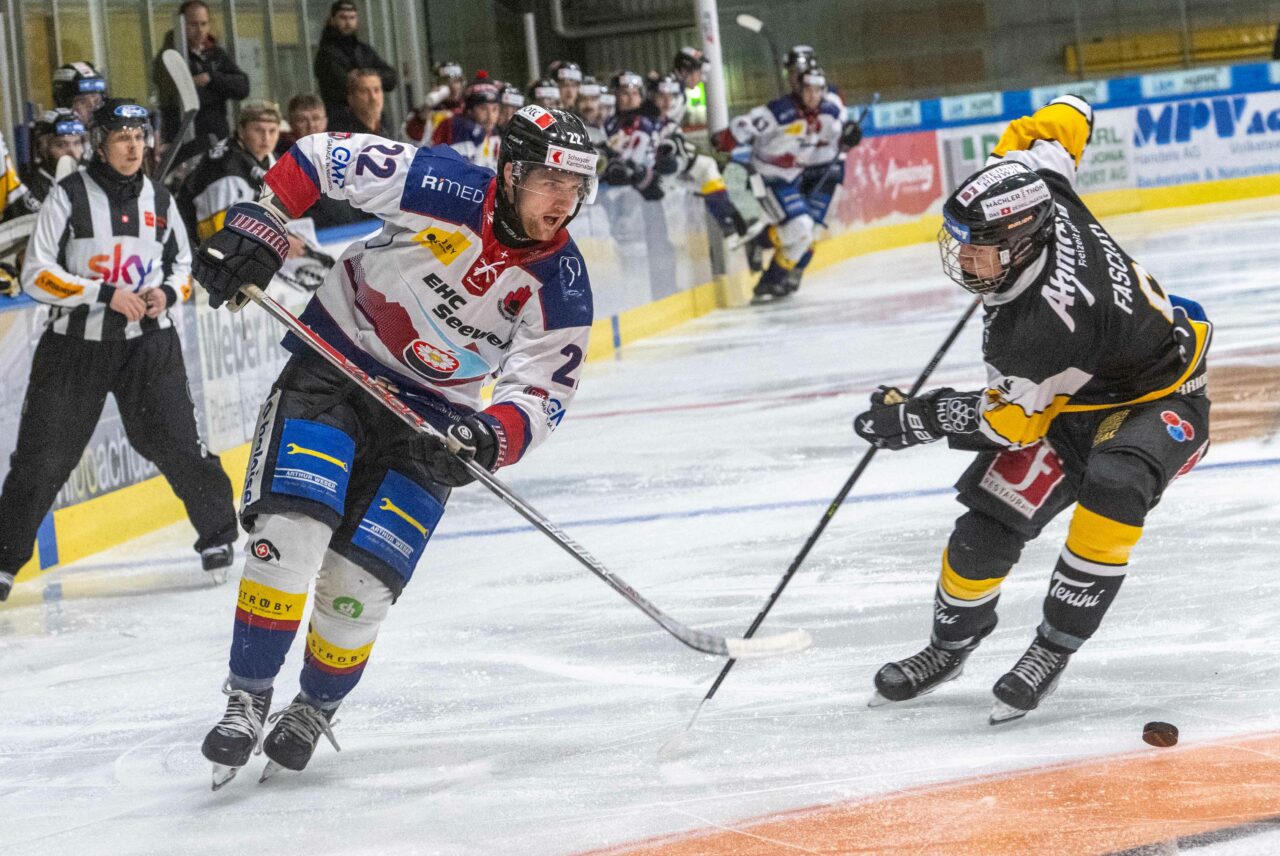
(625, 79)
(689, 59)
(59, 122)
(590, 88)
(554, 139)
(565, 71)
(811, 75)
(115, 114)
(666, 83)
(1006, 205)
(76, 78)
(480, 91)
(799, 58)
(544, 89)
(448, 70)
(511, 95)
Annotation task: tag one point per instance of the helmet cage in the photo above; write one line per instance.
(1008, 207)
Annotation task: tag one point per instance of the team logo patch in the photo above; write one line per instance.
(1178, 428)
(513, 302)
(537, 116)
(348, 606)
(428, 360)
(444, 245)
(265, 550)
(1024, 479)
(483, 274)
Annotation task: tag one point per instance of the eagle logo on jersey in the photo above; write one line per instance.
(429, 361)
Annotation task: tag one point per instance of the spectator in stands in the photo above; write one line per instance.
(341, 53)
(306, 116)
(362, 112)
(217, 78)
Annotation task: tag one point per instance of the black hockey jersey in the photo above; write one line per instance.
(1085, 327)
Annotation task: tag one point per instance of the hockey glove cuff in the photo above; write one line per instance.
(249, 249)
(471, 439)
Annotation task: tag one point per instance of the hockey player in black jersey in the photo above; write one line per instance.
(1095, 397)
(109, 257)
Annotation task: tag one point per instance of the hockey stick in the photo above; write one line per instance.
(176, 64)
(784, 643)
(673, 744)
(755, 25)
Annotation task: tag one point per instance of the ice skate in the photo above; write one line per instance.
(236, 737)
(922, 673)
(217, 559)
(292, 741)
(1032, 680)
(6, 585)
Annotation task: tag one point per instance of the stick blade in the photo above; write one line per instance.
(177, 68)
(769, 646)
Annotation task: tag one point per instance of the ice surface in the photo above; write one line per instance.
(514, 704)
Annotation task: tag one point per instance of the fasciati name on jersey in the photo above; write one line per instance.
(1064, 281)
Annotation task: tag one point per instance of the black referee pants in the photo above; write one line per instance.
(70, 379)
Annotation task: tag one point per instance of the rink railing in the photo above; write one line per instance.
(1159, 140)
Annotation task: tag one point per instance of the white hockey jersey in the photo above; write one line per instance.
(434, 303)
(785, 138)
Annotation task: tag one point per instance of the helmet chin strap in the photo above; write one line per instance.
(506, 218)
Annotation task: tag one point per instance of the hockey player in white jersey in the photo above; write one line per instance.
(795, 145)
(473, 276)
(676, 158)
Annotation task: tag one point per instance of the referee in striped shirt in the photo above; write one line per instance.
(109, 255)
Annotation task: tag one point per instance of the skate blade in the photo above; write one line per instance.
(877, 700)
(218, 575)
(733, 242)
(1002, 713)
(223, 774)
(270, 770)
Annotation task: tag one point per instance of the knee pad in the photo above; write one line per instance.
(982, 547)
(1120, 486)
(285, 550)
(706, 175)
(794, 238)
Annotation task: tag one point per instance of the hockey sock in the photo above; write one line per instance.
(284, 553)
(1087, 577)
(723, 211)
(349, 608)
(963, 607)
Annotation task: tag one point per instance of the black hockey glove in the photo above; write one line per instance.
(851, 135)
(470, 439)
(896, 422)
(249, 249)
(617, 171)
(666, 160)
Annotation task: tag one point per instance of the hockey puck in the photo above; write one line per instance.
(1160, 734)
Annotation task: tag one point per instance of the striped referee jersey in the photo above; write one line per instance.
(88, 243)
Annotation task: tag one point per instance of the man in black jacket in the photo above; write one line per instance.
(217, 78)
(341, 52)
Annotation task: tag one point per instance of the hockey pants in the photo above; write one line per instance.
(70, 379)
(332, 493)
(1113, 465)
